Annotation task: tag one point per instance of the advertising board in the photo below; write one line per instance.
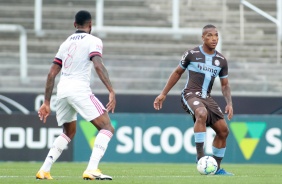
(169, 138)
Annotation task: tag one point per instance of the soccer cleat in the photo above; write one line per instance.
(95, 175)
(41, 175)
(223, 172)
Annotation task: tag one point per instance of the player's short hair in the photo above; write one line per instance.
(207, 27)
(82, 17)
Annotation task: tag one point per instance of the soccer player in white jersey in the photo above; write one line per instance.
(74, 61)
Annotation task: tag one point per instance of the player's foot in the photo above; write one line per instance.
(95, 175)
(223, 172)
(41, 175)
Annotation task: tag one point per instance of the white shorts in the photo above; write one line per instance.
(87, 105)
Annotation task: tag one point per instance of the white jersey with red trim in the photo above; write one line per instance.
(74, 56)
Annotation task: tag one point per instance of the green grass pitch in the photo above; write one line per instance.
(143, 173)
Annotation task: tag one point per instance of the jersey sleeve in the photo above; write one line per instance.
(58, 58)
(184, 62)
(224, 70)
(96, 48)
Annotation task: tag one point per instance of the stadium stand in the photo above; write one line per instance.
(141, 63)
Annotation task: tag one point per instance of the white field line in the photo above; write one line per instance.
(165, 176)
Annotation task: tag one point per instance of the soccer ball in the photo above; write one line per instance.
(207, 165)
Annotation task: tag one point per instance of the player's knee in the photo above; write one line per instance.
(201, 114)
(224, 133)
(108, 126)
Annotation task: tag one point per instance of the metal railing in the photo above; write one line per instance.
(23, 47)
(38, 18)
(277, 21)
(102, 30)
(174, 30)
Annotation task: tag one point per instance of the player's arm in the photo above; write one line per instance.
(44, 110)
(226, 91)
(104, 77)
(172, 80)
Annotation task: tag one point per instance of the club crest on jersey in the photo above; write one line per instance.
(216, 62)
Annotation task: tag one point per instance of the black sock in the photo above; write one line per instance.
(200, 150)
(218, 160)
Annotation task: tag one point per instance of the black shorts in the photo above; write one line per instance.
(191, 101)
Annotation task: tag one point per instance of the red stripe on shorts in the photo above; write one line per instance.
(97, 104)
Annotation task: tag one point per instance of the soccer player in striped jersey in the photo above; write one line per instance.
(203, 65)
(74, 60)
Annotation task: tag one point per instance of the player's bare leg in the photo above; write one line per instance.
(70, 129)
(200, 130)
(103, 122)
(55, 152)
(219, 144)
(106, 131)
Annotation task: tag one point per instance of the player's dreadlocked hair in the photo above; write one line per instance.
(82, 17)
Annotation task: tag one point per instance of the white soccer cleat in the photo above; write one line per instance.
(95, 175)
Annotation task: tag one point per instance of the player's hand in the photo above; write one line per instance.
(112, 102)
(229, 110)
(158, 103)
(44, 112)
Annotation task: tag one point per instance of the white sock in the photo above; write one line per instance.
(99, 149)
(59, 145)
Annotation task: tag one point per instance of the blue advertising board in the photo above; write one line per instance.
(142, 137)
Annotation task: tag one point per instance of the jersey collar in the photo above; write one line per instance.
(202, 50)
(79, 31)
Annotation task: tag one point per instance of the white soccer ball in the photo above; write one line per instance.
(207, 165)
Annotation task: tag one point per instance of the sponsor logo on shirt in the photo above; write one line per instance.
(77, 37)
(204, 67)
